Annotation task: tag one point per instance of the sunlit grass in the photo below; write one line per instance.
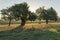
(53, 30)
(54, 27)
(6, 27)
(35, 25)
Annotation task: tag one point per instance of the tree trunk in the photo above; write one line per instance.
(31, 21)
(46, 21)
(23, 21)
(55, 20)
(9, 22)
(40, 21)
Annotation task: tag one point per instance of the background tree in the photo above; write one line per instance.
(32, 16)
(7, 15)
(52, 14)
(38, 12)
(49, 14)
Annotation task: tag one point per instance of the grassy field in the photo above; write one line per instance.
(6, 27)
(51, 26)
(43, 31)
(32, 35)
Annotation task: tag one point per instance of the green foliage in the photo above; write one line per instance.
(49, 14)
(6, 14)
(19, 10)
(32, 17)
(52, 14)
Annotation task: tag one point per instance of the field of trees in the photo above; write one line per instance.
(19, 23)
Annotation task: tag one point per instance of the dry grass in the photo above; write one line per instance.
(54, 27)
(51, 26)
(6, 27)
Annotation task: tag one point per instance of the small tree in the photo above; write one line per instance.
(32, 17)
(7, 15)
(39, 11)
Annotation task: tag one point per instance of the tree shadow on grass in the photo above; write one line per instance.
(16, 30)
(21, 29)
(30, 34)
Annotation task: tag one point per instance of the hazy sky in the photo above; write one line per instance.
(34, 4)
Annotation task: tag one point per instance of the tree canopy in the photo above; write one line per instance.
(47, 14)
(32, 16)
(20, 11)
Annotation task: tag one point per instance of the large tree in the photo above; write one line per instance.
(20, 11)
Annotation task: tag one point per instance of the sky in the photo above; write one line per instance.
(33, 4)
